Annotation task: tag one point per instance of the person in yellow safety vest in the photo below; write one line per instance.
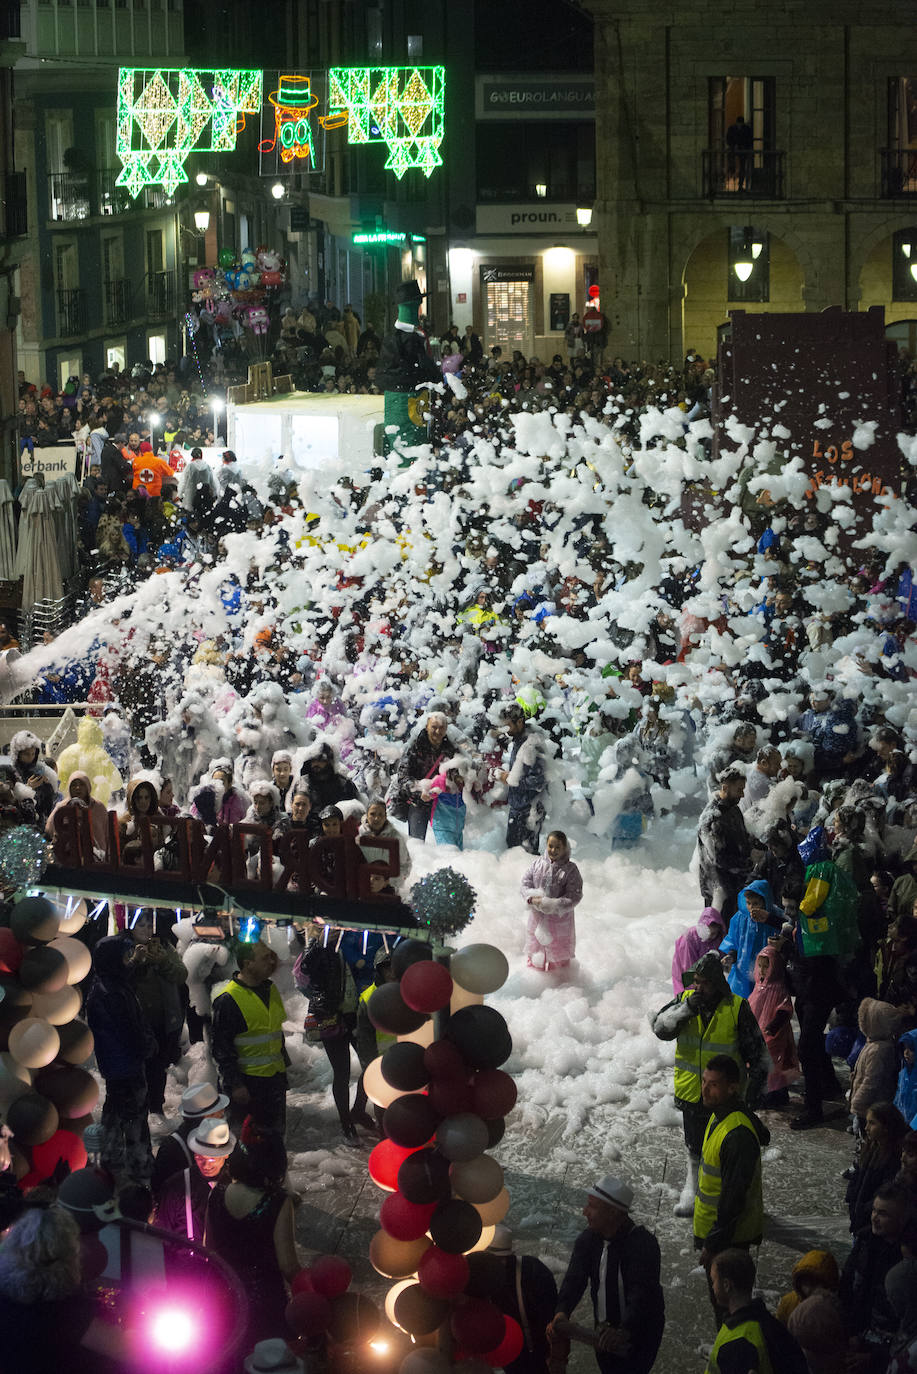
(750, 1338)
(729, 1206)
(247, 1040)
(370, 1042)
(707, 1019)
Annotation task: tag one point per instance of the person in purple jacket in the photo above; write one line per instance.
(552, 886)
(702, 938)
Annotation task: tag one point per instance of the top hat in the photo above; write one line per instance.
(294, 92)
(408, 291)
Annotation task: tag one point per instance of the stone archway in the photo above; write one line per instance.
(872, 268)
(706, 303)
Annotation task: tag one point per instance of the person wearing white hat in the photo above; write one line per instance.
(526, 1292)
(183, 1201)
(273, 1357)
(198, 1101)
(619, 1262)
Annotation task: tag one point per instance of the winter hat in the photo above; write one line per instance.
(262, 787)
(502, 1243)
(202, 1100)
(273, 1357)
(212, 1138)
(614, 1191)
(707, 966)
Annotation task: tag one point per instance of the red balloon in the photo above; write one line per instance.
(593, 292)
(494, 1093)
(301, 1283)
(509, 1349)
(385, 1159)
(442, 1274)
(478, 1325)
(330, 1275)
(308, 1314)
(62, 1145)
(11, 951)
(442, 1060)
(426, 986)
(451, 1096)
(405, 1220)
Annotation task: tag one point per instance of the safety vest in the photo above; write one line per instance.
(750, 1223)
(745, 1331)
(260, 1045)
(383, 1040)
(697, 1044)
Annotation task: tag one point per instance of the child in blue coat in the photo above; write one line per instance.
(756, 921)
(906, 1095)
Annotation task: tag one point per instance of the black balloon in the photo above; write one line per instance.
(409, 952)
(424, 1177)
(418, 1312)
(496, 1130)
(390, 1014)
(481, 1036)
(403, 1066)
(43, 969)
(411, 1120)
(353, 1318)
(32, 1119)
(455, 1226)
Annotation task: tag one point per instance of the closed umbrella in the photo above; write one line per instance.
(7, 534)
(37, 551)
(64, 494)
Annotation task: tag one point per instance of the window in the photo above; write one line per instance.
(115, 353)
(67, 367)
(741, 155)
(904, 264)
(156, 348)
(748, 264)
(899, 159)
(532, 161)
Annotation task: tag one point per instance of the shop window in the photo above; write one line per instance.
(748, 264)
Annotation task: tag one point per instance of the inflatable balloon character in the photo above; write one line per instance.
(257, 319)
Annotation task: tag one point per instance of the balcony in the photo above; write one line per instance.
(899, 172)
(75, 196)
(758, 173)
(161, 298)
(15, 206)
(71, 311)
(582, 193)
(118, 294)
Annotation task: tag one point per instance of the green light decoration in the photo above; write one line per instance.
(166, 113)
(388, 236)
(402, 107)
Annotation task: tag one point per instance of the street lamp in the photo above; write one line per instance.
(216, 406)
(541, 189)
(201, 178)
(584, 216)
(277, 190)
(153, 421)
(202, 221)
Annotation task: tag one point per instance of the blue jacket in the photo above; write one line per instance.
(746, 938)
(906, 1094)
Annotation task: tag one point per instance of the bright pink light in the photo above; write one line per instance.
(173, 1330)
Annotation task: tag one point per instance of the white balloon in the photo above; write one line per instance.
(57, 1007)
(393, 1293)
(461, 997)
(33, 1042)
(375, 1086)
(487, 1235)
(79, 959)
(480, 968)
(424, 1036)
(493, 1212)
(73, 920)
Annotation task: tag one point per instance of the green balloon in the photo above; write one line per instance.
(227, 257)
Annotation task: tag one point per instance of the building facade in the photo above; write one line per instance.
(729, 134)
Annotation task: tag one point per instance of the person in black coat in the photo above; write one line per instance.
(404, 362)
(619, 1262)
(325, 783)
(527, 1293)
(123, 1043)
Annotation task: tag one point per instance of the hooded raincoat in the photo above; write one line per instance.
(746, 938)
(552, 891)
(695, 941)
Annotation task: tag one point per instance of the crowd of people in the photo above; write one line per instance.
(517, 627)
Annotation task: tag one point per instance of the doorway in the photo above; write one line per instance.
(508, 314)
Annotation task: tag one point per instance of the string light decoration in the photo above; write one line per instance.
(289, 141)
(402, 107)
(189, 323)
(166, 113)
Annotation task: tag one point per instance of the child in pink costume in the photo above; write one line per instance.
(699, 939)
(773, 1009)
(552, 887)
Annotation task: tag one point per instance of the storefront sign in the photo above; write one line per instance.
(537, 218)
(53, 462)
(563, 97)
(388, 236)
(493, 274)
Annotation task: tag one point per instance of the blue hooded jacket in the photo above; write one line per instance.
(906, 1094)
(746, 938)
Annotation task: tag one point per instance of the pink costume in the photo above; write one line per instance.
(771, 1004)
(552, 890)
(692, 944)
